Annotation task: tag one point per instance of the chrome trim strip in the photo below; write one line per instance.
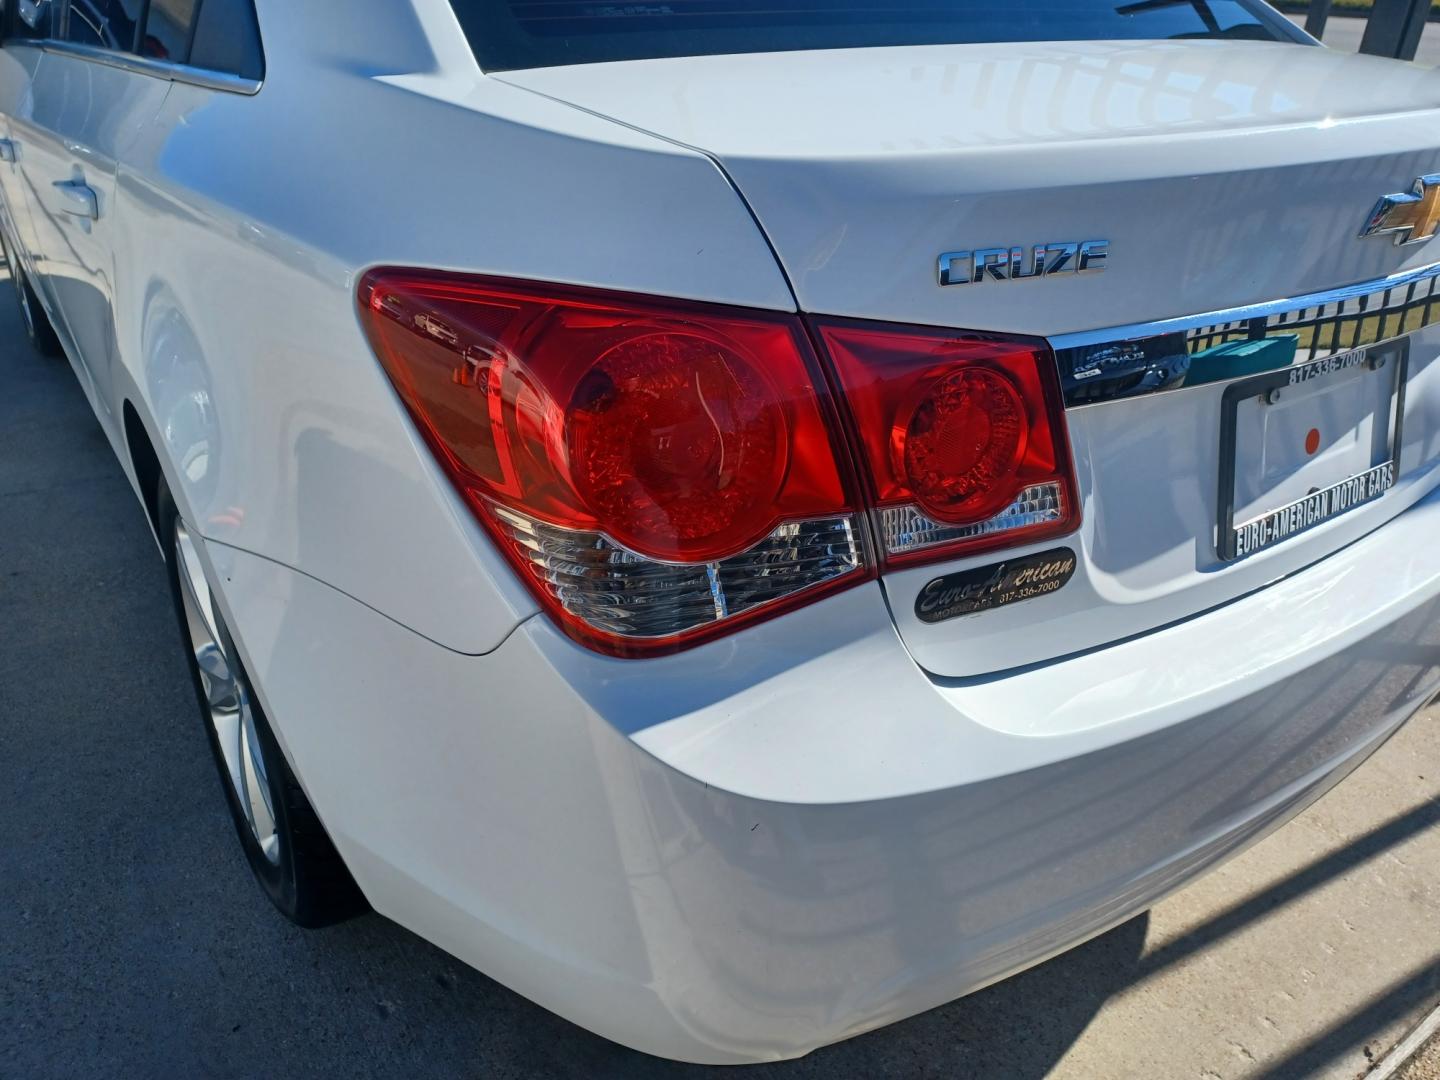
(1097, 366)
(158, 69)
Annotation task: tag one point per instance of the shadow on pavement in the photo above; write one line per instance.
(1422, 985)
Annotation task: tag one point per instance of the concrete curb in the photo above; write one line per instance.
(1407, 1048)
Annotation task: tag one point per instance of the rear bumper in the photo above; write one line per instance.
(772, 843)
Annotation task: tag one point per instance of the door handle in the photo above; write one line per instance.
(7, 151)
(79, 198)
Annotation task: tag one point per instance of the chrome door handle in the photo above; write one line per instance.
(7, 151)
(80, 198)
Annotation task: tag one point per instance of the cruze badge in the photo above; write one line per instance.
(1412, 216)
(1020, 264)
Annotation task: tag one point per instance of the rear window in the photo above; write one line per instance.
(542, 33)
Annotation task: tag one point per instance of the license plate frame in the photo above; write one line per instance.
(1235, 542)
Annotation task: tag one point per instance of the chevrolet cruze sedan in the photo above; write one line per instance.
(746, 521)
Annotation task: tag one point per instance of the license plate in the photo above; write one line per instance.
(1303, 445)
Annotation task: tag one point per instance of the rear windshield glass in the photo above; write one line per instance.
(541, 33)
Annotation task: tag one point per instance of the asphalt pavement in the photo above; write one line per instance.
(134, 944)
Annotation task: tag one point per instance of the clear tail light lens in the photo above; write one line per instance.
(658, 471)
(616, 592)
(963, 437)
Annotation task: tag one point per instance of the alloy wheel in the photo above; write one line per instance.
(228, 700)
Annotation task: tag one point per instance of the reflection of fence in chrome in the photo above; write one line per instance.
(1334, 327)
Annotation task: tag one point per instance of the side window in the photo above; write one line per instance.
(105, 24)
(168, 27)
(227, 38)
(33, 19)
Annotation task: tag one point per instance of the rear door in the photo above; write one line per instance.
(89, 106)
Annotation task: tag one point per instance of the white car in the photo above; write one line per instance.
(747, 521)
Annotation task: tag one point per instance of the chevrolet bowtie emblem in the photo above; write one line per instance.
(1413, 216)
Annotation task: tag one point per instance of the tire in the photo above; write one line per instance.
(288, 849)
(32, 315)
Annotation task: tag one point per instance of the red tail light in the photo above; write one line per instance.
(658, 471)
(662, 472)
(963, 436)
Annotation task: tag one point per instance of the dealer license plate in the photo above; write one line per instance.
(1305, 444)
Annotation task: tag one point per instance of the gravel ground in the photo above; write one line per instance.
(1423, 1066)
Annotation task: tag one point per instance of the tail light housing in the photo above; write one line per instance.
(962, 436)
(658, 472)
(662, 472)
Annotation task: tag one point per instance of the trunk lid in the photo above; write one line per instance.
(1223, 176)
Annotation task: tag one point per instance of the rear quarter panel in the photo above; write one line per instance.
(247, 222)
